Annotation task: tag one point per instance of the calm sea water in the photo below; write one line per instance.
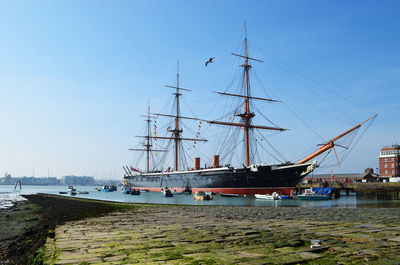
(8, 195)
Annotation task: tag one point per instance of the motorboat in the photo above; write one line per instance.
(167, 192)
(187, 190)
(310, 195)
(273, 196)
(135, 192)
(106, 188)
(70, 189)
(126, 189)
(202, 196)
(286, 197)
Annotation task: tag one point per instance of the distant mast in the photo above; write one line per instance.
(148, 140)
(176, 132)
(148, 144)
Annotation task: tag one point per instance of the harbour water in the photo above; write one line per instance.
(8, 196)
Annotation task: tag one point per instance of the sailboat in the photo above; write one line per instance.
(251, 178)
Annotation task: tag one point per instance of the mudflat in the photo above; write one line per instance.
(230, 235)
(25, 227)
(159, 234)
(21, 232)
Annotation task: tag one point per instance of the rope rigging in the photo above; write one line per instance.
(290, 68)
(241, 133)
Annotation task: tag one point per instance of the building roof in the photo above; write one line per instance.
(393, 147)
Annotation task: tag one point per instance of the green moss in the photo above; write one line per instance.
(174, 255)
(37, 258)
(203, 262)
(110, 245)
(104, 256)
(53, 255)
(280, 243)
(329, 259)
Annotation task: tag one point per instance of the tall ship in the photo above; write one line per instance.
(250, 178)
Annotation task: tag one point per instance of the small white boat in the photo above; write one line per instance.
(126, 189)
(107, 188)
(202, 196)
(273, 196)
(310, 195)
(70, 189)
(6, 204)
(167, 192)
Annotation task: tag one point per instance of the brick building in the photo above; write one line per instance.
(389, 161)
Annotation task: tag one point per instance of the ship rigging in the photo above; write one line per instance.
(251, 178)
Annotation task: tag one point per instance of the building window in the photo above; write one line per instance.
(386, 172)
(385, 165)
(392, 159)
(385, 159)
(392, 165)
(392, 172)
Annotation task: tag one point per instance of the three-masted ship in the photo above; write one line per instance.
(247, 180)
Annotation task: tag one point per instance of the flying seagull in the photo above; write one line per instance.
(210, 60)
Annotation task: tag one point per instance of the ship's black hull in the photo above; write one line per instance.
(244, 181)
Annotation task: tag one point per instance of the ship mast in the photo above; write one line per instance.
(247, 116)
(176, 132)
(148, 143)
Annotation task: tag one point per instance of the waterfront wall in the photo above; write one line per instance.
(374, 190)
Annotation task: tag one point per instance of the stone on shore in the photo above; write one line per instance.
(229, 235)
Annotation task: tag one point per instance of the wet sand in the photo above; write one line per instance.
(90, 232)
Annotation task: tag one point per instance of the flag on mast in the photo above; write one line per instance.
(135, 170)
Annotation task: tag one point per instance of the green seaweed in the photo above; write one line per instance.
(37, 258)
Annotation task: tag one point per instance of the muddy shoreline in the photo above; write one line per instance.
(92, 231)
(25, 226)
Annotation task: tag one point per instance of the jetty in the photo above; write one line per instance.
(366, 190)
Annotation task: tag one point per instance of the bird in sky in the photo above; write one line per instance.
(210, 61)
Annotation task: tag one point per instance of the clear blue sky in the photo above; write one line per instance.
(76, 75)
